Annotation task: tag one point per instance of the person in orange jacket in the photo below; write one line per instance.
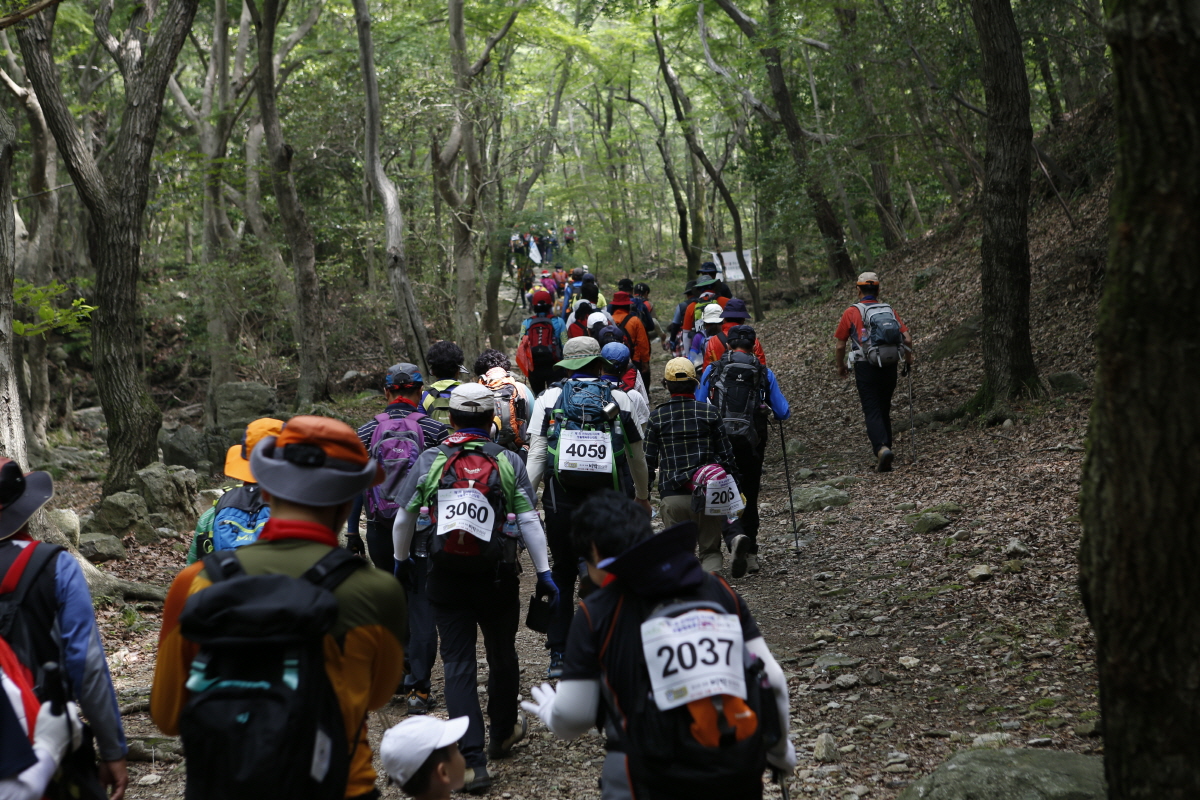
(734, 313)
(708, 295)
(632, 325)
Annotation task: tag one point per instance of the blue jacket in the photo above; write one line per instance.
(568, 294)
(772, 396)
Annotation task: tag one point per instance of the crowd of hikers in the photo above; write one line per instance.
(277, 640)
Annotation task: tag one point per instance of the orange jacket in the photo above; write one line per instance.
(713, 349)
(689, 315)
(364, 654)
(637, 334)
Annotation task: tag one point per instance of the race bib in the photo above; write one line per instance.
(721, 498)
(464, 510)
(693, 656)
(585, 451)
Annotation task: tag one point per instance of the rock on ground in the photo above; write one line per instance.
(238, 404)
(65, 522)
(826, 748)
(170, 492)
(815, 498)
(927, 521)
(122, 513)
(184, 447)
(1068, 382)
(1013, 775)
(100, 547)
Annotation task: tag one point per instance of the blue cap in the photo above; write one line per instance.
(403, 376)
(615, 353)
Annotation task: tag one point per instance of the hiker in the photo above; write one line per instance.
(514, 401)
(682, 437)
(677, 346)
(623, 375)
(708, 295)
(422, 755)
(639, 339)
(699, 338)
(734, 313)
(34, 738)
(548, 283)
(445, 360)
(560, 280)
(708, 271)
(345, 619)
(571, 292)
(579, 326)
(641, 302)
(46, 615)
(742, 390)
(597, 321)
(569, 236)
(541, 342)
(395, 439)
(637, 304)
(589, 290)
(584, 437)
(669, 729)
(480, 503)
(879, 340)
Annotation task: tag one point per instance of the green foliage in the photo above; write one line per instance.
(40, 300)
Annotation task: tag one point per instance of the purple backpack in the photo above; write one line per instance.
(395, 446)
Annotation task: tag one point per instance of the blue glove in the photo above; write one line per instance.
(547, 587)
(404, 571)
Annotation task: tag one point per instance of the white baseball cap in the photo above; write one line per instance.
(712, 313)
(406, 746)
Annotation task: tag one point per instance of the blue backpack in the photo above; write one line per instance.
(239, 519)
(586, 406)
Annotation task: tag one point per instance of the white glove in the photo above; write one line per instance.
(543, 702)
(55, 732)
(784, 761)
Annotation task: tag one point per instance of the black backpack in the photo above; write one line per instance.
(735, 389)
(708, 747)
(263, 719)
(15, 585)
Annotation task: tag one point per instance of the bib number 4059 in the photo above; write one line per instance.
(584, 450)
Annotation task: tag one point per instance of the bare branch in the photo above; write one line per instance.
(288, 44)
(18, 91)
(493, 40)
(8, 20)
(105, 37)
(182, 101)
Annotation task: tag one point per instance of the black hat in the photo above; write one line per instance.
(689, 287)
(708, 268)
(741, 333)
(21, 495)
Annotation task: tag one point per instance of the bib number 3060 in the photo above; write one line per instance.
(693, 656)
(464, 510)
(585, 451)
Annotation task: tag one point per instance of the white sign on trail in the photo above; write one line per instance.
(731, 270)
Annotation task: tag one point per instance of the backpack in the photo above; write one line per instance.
(713, 746)
(395, 446)
(16, 583)
(436, 402)
(473, 465)
(512, 414)
(735, 389)
(238, 519)
(585, 443)
(640, 308)
(882, 343)
(544, 347)
(16, 691)
(262, 717)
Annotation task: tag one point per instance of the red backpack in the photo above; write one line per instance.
(473, 465)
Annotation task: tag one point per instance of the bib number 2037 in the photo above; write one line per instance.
(692, 656)
(464, 510)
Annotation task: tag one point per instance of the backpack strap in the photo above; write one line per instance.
(625, 322)
(723, 339)
(223, 565)
(333, 568)
(25, 569)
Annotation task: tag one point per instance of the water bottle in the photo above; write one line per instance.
(510, 527)
(423, 519)
(424, 524)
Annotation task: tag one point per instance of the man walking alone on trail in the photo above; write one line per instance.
(878, 340)
(742, 390)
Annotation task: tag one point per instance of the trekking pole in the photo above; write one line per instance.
(781, 778)
(912, 423)
(788, 477)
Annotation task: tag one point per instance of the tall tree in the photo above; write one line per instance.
(1141, 511)
(416, 339)
(1009, 371)
(12, 428)
(115, 191)
(314, 361)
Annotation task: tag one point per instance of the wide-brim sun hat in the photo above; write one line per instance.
(735, 309)
(712, 313)
(237, 458)
(702, 282)
(579, 352)
(314, 461)
(21, 495)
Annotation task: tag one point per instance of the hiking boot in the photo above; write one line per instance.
(752, 563)
(420, 702)
(740, 549)
(476, 780)
(503, 749)
(885, 460)
(555, 670)
(712, 562)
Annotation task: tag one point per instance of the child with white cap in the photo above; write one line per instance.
(421, 754)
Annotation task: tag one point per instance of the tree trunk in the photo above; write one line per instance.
(1043, 59)
(416, 339)
(1007, 354)
(1140, 508)
(314, 365)
(12, 425)
(116, 201)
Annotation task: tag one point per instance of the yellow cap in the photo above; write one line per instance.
(680, 369)
(237, 460)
